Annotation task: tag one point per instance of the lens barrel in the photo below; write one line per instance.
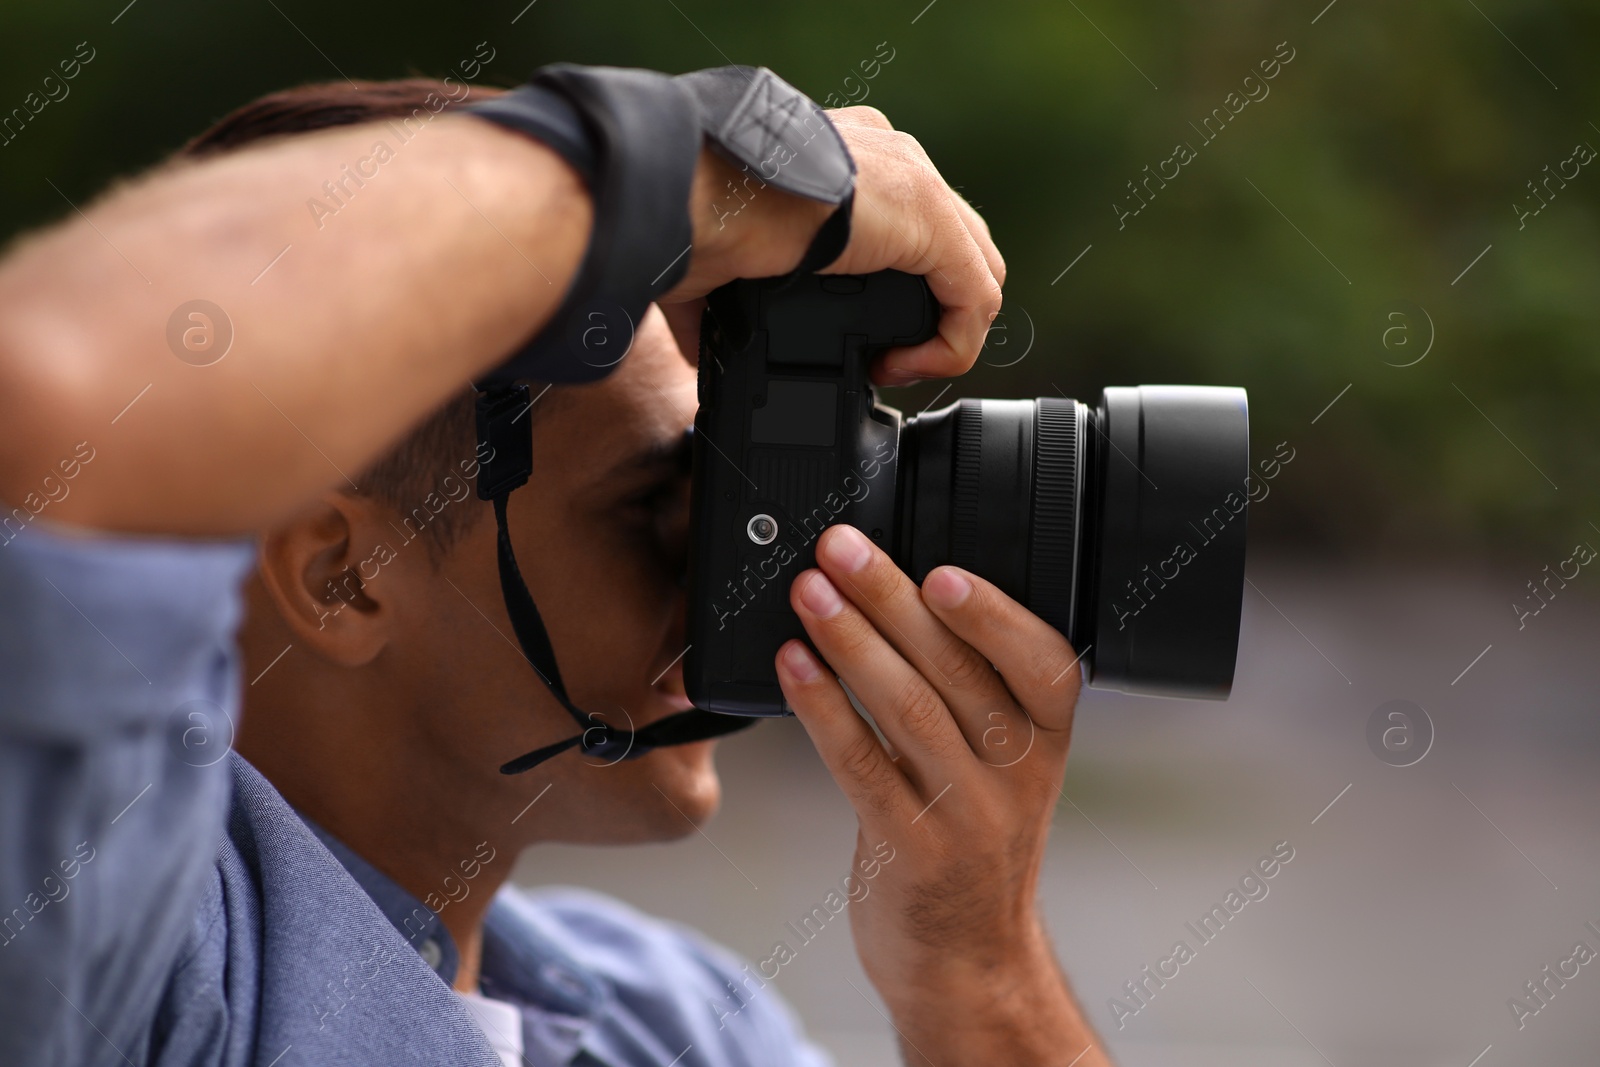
(1123, 526)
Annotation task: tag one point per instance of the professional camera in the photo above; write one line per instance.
(1122, 525)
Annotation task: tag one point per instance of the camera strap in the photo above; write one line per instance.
(504, 421)
(634, 136)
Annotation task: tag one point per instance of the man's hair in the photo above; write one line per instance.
(437, 447)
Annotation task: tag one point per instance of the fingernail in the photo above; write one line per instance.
(799, 661)
(946, 588)
(820, 597)
(848, 548)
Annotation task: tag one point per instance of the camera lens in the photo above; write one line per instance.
(1121, 525)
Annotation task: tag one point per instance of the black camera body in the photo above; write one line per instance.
(789, 440)
(1122, 525)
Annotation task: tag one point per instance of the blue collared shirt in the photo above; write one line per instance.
(162, 904)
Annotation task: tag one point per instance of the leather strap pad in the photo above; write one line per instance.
(634, 136)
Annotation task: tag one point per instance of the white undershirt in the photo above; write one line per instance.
(500, 1022)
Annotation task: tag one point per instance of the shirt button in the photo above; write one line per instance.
(431, 953)
(564, 980)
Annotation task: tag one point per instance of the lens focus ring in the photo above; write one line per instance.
(1052, 554)
(967, 483)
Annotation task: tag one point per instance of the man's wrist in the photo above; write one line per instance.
(1012, 1007)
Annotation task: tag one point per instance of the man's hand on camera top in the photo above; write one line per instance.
(905, 218)
(458, 256)
(975, 696)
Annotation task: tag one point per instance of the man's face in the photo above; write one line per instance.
(600, 535)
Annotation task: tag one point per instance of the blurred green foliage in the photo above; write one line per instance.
(1396, 140)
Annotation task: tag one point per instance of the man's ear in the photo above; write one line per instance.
(312, 567)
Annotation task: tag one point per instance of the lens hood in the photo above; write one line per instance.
(1161, 606)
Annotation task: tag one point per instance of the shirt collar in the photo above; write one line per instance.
(419, 924)
(519, 964)
(520, 960)
(523, 963)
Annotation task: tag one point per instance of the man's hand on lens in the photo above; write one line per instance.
(975, 697)
(905, 218)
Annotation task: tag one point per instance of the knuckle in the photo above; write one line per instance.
(905, 155)
(1046, 662)
(865, 115)
(933, 195)
(1008, 736)
(1070, 681)
(889, 590)
(849, 635)
(865, 764)
(910, 147)
(852, 634)
(986, 283)
(915, 706)
(862, 759)
(964, 668)
(923, 715)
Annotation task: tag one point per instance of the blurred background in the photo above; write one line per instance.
(1392, 242)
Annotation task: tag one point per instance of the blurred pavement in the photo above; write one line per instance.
(1415, 905)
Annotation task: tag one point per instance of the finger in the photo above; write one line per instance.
(846, 743)
(979, 228)
(905, 219)
(1039, 667)
(962, 678)
(958, 274)
(910, 365)
(901, 702)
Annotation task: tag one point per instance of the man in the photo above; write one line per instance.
(318, 899)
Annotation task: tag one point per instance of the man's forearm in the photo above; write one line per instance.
(456, 250)
(447, 250)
